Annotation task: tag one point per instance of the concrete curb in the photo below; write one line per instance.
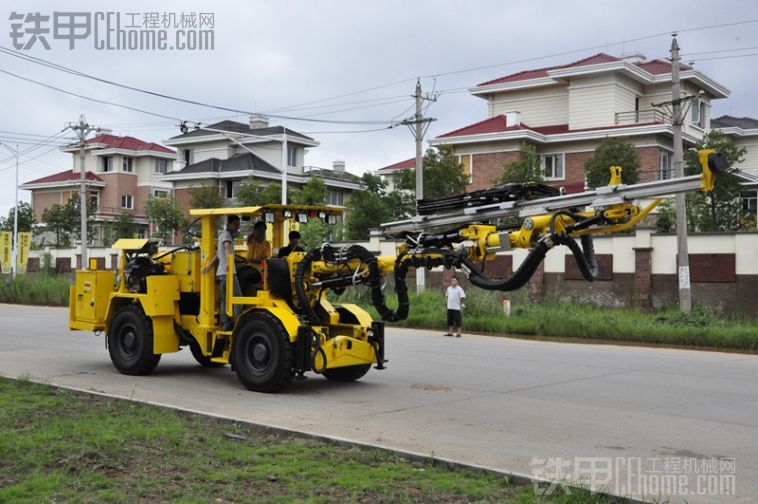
(513, 477)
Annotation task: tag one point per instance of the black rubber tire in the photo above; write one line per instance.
(130, 341)
(262, 353)
(348, 373)
(201, 359)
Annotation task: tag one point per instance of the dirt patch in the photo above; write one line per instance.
(430, 388)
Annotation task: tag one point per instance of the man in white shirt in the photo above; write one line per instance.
(456, 299)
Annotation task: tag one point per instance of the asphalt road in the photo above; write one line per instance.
(529, 407)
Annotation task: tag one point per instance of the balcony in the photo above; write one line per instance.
(641, 117)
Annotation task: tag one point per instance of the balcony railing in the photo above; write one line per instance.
(103, 211)
(642, 117)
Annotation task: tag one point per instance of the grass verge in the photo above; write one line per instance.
(484, 313)
(35, 289)
(63, 447)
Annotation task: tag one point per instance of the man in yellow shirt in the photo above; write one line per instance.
(258, 249)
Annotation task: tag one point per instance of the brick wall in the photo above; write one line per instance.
(488, 168)
(649, 163)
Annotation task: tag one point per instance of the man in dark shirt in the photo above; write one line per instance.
(293, 246)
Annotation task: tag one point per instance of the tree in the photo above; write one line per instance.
(314, 233)
(373, 183)
(56, 221)
(314, 192)
(718, 210)
(366, 210)
(165, 212)
(526, 169)
(206, 196)
(26, 219)
(123, 227)
(665, 217)
(612, 151)
(443, 174)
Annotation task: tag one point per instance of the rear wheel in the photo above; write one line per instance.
(347, 374)
(130, 341)
(203, 360)
(262, 353)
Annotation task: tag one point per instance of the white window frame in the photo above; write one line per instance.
(668, 172)
(470, 166)
(698, 113)
(127, 164)
(96, 196)
(562, 158)
(159, 161)
(160, 193)
(127, 201)
(291, 155)
(749, 199)
(188, 156)
(106, 165)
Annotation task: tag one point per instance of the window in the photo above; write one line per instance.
(232, 186)
(127, 164)
(552, 166)
(467, 161)
(187, 156)
(160, 193)
(336, 197)
(127, 201)
(697, 113)
(664, 162)
(161, 166)
(94, 199)
(291, 155)
(749, 203)
(106, 163)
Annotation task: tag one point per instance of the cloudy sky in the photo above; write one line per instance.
(285, 55)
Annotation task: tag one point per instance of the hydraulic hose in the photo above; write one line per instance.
(517, 279)
(584, 255)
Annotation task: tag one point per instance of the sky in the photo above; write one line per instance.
(357, 60)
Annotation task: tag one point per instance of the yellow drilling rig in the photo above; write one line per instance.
(160, 301)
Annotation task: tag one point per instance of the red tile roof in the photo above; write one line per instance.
(129, 143)
(497, 125)
(492, 125)
(655, 67)
(65, 176)
(542, 72)
(402, 165)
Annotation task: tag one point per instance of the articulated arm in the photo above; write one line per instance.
(496, 220)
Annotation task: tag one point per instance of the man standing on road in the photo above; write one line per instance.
(456, 300)
(225, 254)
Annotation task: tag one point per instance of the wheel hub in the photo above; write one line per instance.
(260, 352)
(130, 340)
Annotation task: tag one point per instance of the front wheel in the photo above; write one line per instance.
(130, 342)
(347, 373)
(262, 353)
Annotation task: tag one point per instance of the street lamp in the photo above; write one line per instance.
(14, 256)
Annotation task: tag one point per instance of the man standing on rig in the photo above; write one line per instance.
(456, 300)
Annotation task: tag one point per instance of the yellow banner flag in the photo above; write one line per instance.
(24, 244)
(6, 251)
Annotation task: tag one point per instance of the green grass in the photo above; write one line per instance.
(35, 289)
(484, 313)
(60, 447)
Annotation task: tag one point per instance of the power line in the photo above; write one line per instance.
(726, 57)
(72, 71)
(97, 100)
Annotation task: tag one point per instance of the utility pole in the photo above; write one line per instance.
(82, 129)
(685, 294)
(418, 126)
(14, 255)
(285, 162)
